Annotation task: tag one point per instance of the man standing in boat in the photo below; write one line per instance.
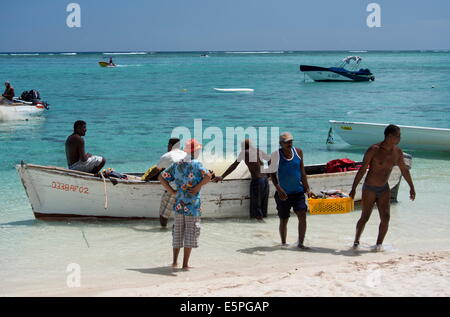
(290, 180)
(77, 159)
(259, 185)
(381, 158)
(190, 176)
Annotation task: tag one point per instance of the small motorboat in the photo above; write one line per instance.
(106, 64)
(412, 137)
(29, 104)
(346, 70)
(234, 89)
(19, 108)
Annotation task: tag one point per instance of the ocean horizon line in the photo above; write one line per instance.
(143, 52)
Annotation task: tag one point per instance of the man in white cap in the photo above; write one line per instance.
(8, 94)
(190, 176)
(290, 180)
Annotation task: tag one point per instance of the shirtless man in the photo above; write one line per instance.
(9, 92)
(259, 185)
(381, 158)
(77, 159)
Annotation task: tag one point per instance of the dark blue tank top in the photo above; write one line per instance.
(289, 173)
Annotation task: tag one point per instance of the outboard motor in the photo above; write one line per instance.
(34, 97)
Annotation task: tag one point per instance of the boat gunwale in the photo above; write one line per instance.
(386, 124)
(88, 176)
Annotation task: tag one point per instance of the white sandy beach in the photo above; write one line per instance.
(424, 274)
(368, 274)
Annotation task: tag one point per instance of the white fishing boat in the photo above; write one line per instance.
(412, 137)
(58, 193)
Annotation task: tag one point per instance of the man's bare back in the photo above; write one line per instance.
(74, 149)
(76, 157)
(253, 167)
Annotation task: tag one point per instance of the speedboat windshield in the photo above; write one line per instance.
(350, 62)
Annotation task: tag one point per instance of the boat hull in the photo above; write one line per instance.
(412, 138)
(231, 90)
(105, 64)
(57, 193)
(25, 110)
(322, 74)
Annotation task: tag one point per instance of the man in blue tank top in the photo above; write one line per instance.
(291, 184)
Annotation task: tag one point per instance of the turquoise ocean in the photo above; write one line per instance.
(131, 110)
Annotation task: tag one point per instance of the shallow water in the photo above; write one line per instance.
(131, 110)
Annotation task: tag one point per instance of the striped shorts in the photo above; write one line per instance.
(185, 231)
(166, 207)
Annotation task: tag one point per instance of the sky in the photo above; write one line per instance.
(223, 25)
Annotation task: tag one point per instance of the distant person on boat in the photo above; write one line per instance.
(259, 185)
(8, 94)
(111, 62)
(290, 180)
(174, 155)
(190, 176)
(77, 159)
(381, 158)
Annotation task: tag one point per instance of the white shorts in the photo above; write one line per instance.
(87, 166)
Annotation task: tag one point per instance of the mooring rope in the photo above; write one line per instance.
(104, 186)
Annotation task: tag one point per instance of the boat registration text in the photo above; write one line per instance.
(70, 188)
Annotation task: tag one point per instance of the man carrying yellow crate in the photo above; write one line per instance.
(289, 178)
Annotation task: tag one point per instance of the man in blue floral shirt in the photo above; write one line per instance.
(189, 175)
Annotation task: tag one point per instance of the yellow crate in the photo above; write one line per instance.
(319, 206)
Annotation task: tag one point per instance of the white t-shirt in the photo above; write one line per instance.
(171, 157)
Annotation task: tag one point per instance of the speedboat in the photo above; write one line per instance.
(106, 64)
(19, 108)
(346, 70)
(412, 137)
(28, 104)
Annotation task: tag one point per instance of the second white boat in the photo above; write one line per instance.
(412, 137)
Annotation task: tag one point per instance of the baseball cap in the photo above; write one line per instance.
(286, 136)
